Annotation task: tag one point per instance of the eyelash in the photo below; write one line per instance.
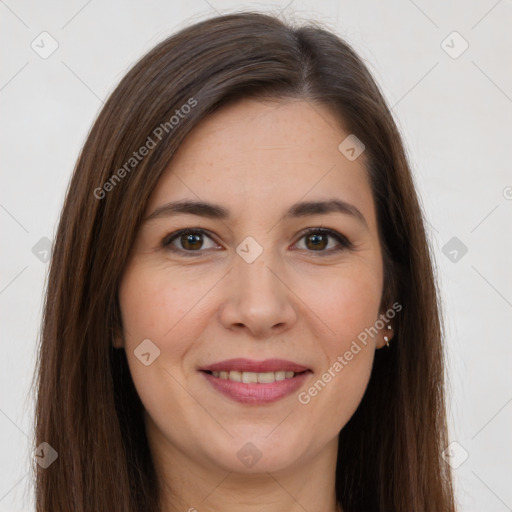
(344, 242)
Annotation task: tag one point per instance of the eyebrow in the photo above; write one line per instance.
(214, 211)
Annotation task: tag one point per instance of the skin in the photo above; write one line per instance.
(256, 159)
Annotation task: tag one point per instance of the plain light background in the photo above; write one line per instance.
(452, 104)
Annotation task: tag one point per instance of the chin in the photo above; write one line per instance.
(253, 451)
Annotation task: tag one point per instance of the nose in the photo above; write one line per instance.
(257, 298)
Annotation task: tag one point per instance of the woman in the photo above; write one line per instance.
(241, 309)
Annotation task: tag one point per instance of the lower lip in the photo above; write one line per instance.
(257, 393)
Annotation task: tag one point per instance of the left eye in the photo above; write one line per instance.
(192, 241)
(317, 239)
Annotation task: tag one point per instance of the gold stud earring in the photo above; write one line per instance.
(386, 339)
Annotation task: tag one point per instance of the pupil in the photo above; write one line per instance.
(191, 239)
(317, 240)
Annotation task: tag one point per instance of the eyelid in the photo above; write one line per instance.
(168, 239)
(343, 242)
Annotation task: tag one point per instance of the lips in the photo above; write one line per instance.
(255, 382)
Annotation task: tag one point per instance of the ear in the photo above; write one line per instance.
(117, 336)
(117, 341)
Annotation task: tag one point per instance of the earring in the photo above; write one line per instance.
(386, 339)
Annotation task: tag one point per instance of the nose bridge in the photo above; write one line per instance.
(252, 272)
(256, 276)
(257, 296)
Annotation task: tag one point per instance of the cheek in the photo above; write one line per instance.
(154, 306)
(347, 302)
(349, 306)
(158, 303)
(170, 307)
(151, 308)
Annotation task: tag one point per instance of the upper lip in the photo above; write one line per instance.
(251, 365)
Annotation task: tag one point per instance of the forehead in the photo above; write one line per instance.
(263, 154)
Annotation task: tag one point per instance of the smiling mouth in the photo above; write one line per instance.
(256, 388)
(255, 377)
(253, 382)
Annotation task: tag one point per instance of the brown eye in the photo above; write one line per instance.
(319, 240)
(188, 241)
(191, 241)
(316, 241)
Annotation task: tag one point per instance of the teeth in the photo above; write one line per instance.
(236, 376)
(265, 378)
(253, 378)
(249, 377)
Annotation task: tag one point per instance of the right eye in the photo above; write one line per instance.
(187, 241)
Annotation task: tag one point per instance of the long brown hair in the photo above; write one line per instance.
(87, 407)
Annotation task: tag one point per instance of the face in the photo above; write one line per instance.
(251, 308)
